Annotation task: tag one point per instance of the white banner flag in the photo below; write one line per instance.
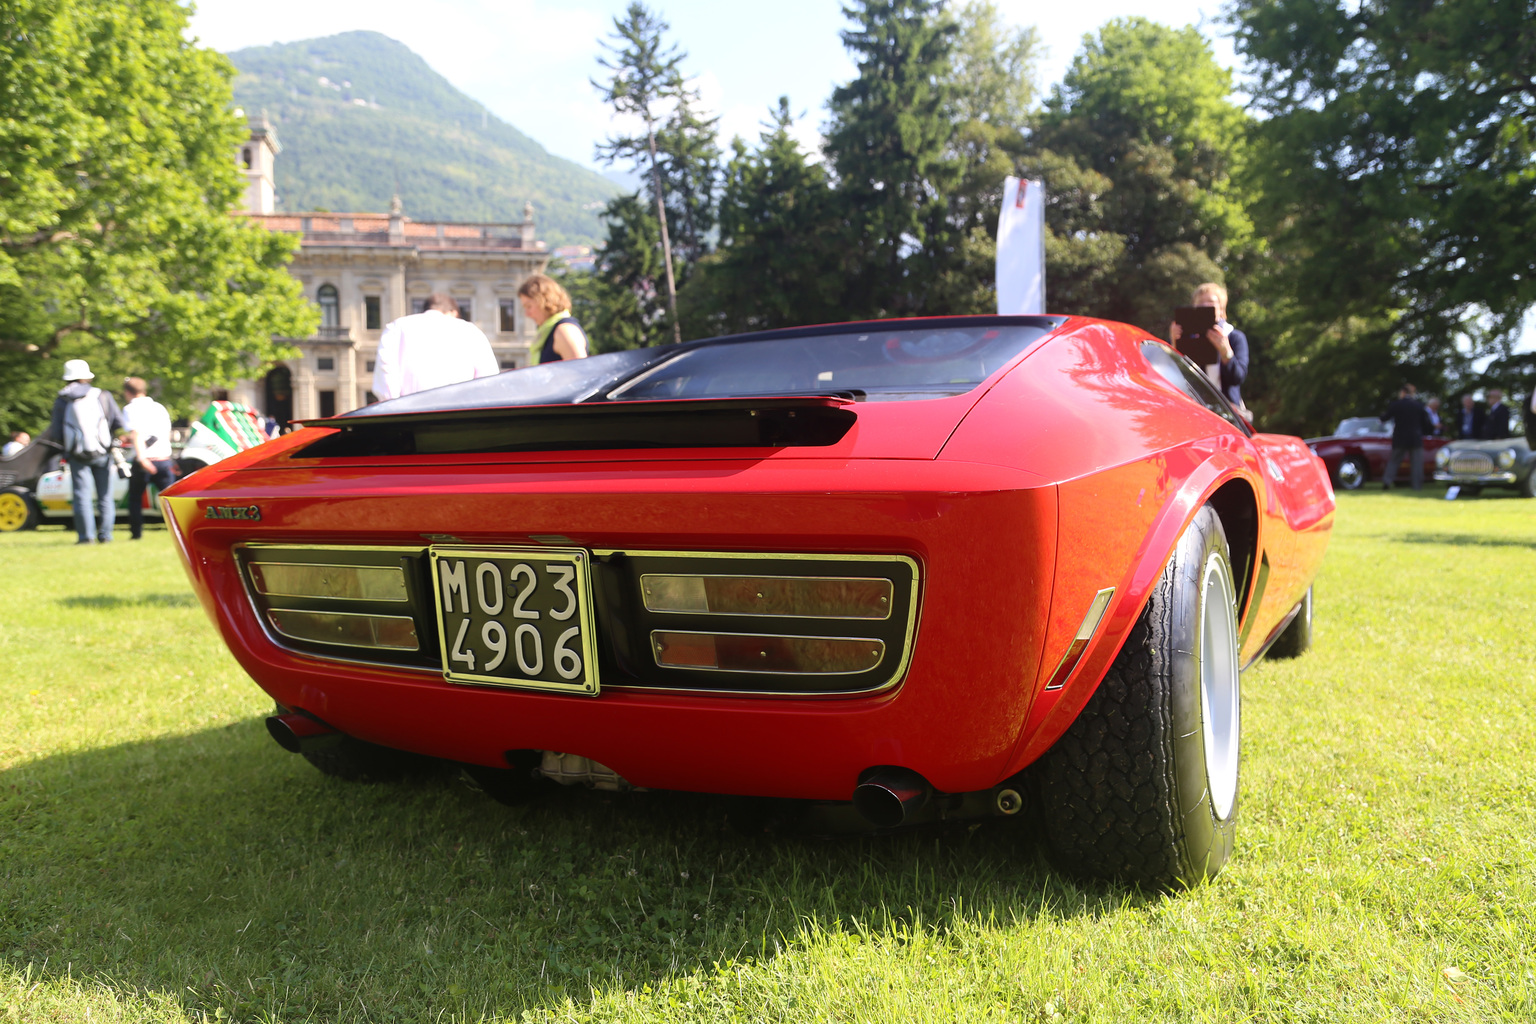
(1021, 249)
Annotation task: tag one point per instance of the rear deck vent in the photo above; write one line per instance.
(729, 423)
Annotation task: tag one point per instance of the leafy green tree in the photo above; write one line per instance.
(780, 242)
(1398, 159)
(644, 78)
(1142, 152)
(992, 93)
(891, 148)
(689, 150)
(620, 301)
(117, 176)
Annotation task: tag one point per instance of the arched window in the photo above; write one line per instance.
(330, 306)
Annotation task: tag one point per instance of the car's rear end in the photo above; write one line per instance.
(756, 595)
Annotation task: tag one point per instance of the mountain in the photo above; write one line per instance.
(358, 112)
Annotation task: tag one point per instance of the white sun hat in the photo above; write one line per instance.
(77, 369)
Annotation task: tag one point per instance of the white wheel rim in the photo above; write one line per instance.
(1218, 685)
(1350, 475)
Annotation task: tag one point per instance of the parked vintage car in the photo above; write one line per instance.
(36, 486)
(919, 568)
(1473, 465)
(1357, 452)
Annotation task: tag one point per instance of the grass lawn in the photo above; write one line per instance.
(161, 859)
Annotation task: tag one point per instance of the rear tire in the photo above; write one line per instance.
(1297, 638)
(1143, 785)
(18, 510)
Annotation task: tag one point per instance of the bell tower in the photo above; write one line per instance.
(256, 158)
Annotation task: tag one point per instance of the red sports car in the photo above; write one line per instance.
(1357, 452)
(923, 569)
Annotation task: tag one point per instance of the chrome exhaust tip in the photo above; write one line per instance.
(887, 796)
(296, 731)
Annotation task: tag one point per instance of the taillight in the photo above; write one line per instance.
(818, 597)
(745, 652)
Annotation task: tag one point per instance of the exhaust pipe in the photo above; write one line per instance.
(296, 731)
(888, 796)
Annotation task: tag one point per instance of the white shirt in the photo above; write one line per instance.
(149, 419)
(10, 448)
(428, 350)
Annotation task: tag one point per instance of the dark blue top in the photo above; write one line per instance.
(1235, 370)
(1408, 418)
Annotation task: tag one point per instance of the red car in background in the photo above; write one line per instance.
(1357, 452)
(909, 569)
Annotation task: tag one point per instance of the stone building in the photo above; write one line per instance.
(364, 270)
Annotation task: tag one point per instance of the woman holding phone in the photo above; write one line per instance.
(1231, 345)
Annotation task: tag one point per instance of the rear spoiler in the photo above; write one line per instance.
(800, 421)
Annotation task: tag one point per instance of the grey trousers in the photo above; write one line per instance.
(1415, 457)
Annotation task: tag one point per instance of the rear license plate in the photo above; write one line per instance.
(516, 617)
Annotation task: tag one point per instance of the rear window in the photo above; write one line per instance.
(874, 365)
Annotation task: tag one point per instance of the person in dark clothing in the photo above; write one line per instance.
(84, 420)
(1496, 420)
(1409, 421)
(1436, 424)
(1469, 421)
(1231, 346)
(1529, 414)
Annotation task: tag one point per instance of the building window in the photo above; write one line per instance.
(509, 315)
(369, 365)
(326, 363)
(327, 404)
(419, 305)
(372, 319)
(219, 395)
(369, 398)
(466, 309)
(330, 306)
(246, 156)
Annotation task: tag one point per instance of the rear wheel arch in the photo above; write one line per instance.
(1238, 509)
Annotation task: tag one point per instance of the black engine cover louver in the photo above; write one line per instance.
(727, 423)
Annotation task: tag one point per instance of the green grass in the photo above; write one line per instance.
(162, 860)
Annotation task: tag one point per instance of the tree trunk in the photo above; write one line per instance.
(666, 243)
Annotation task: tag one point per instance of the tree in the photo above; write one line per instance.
(890, 145)
(645, 78)
(780, 241)
(689, 153)
(1398, 161)
(991, 91)
(620, 300)
(1142, 152)
(117, 176)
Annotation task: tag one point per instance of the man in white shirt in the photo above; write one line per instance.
(429, 350)
(149, 431)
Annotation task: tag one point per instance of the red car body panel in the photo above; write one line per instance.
(1072, 469)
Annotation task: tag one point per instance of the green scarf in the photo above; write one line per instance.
(543, 335)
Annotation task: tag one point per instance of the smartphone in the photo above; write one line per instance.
(1194, 322)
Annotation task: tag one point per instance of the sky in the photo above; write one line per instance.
(530, 61)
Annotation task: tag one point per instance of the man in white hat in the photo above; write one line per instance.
(84, 420)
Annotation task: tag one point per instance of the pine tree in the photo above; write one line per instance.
(891, 147)
(645, 77)
(780, 243)
(690, 172)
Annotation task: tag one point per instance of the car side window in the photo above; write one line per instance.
(1188, 378)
